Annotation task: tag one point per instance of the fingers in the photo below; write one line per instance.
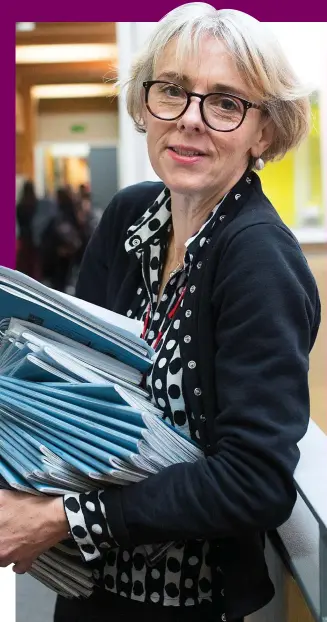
(22, 566)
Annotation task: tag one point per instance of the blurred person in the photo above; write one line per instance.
(27, 258)
(45, 213)
(84, 203)
(232, 309)
(86, 221)
(61, 242)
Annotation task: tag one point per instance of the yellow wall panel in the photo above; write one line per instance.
(277, 180)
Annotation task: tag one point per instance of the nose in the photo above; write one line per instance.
(192, 121)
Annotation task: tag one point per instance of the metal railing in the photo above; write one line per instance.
(302, 541)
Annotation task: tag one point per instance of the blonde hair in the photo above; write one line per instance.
(258, 56)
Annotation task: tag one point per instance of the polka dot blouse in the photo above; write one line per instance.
(182, 577)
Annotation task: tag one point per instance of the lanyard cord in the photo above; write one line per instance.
(171, 314)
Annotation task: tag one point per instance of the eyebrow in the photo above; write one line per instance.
(216, 88)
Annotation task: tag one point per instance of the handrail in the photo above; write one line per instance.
(311, 473)
(302, 541)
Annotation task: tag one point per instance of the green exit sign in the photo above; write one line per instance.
(78, 129)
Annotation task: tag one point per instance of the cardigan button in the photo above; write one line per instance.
(192, 289)
(192, 364)
(188, 313)
(197, 391)
(203, 418)
(187, 338)
(199, 264)
(221, 218)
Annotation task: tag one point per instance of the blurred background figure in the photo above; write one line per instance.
(60, 242)
(64, 240)
(86, 218)
(27, 259)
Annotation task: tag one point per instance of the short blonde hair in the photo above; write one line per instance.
(258, 55)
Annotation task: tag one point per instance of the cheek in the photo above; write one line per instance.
(153, 148)
(225, 144)
(232, 144)
(156, 137)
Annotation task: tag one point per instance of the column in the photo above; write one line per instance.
(25, 131)
(133, 161)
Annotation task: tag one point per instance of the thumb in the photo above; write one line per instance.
(23, 566)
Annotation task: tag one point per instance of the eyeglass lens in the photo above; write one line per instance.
(222, 112)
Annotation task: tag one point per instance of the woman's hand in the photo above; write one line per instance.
(29, 525)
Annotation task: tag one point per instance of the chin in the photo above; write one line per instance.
(183, 183)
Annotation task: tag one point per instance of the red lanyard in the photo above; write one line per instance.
(171, 315)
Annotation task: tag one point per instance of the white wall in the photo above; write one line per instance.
(100, 127)
(305, 44)
(134, 163)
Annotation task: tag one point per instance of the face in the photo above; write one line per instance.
(225, 155)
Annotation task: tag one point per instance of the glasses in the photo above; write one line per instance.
(220, 111)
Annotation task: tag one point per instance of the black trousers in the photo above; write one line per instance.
(108, 607)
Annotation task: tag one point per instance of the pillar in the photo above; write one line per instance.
(133, 161)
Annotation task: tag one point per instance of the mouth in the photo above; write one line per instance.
(184, 151)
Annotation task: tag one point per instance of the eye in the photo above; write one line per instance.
(227, 103)
(221, 103)
(171, 90)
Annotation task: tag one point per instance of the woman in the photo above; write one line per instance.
(231, 307)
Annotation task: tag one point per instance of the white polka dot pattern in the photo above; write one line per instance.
(164, 383)
(183, 577)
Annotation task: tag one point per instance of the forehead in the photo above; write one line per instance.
(209, 66)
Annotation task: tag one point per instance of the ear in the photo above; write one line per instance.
(265, 137)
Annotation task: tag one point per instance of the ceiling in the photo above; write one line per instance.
(68, 32)
(55, 33)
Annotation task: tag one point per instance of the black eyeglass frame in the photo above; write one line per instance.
(189, 94)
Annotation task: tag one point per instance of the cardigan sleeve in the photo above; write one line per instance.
(267, 313)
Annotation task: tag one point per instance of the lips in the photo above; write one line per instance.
(186, 151)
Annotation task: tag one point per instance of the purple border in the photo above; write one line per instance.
(266, 11)
(7, 146)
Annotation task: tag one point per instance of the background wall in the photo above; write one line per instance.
(99, 127)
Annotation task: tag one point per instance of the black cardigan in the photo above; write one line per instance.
(254, 317)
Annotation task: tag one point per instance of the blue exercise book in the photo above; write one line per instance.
(84, 391)
(120, 416)
(12, 478)
(14, 352)
(118, 444)
(50, 446)
(28, 449)
(24, 298)
(22, 466)
(32, 368)
(77, 393)
(123, 328)
(20, 305)
(80, 449)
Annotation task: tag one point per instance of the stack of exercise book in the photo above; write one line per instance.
(73, 416)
